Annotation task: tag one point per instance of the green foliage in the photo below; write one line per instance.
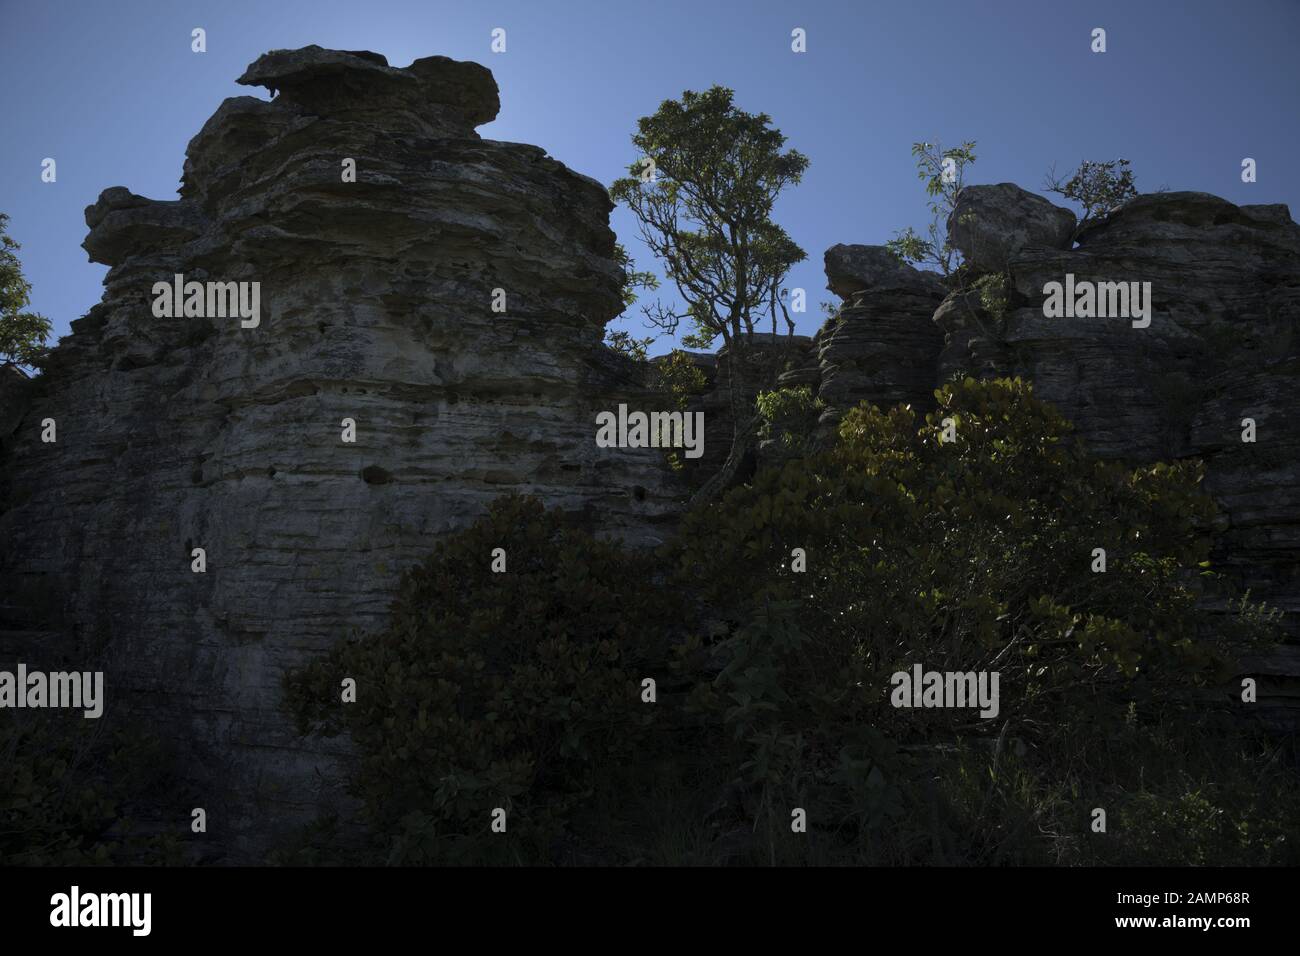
(66, 786)
(944, 172)
(998, 523)
(22, 333)
(680, 378)
(789, 415)
(994, 291)
(495, 689)
(632, 278)
(1193, 793)
(521, 689)
(1178, 790)
(963, 556)
(1100, 188)
(622, 342)
(702, 193)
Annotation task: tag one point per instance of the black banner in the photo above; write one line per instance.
(220, 905)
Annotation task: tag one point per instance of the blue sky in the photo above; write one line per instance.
(1185, 90)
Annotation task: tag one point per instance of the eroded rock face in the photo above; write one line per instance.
(883, 345)
(874, 269)
(14, 399)
(1222, 345)
(376, 306)
(990, 224)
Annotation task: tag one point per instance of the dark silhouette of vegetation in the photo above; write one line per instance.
(965, 541)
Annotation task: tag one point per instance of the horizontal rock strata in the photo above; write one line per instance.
(376, 306)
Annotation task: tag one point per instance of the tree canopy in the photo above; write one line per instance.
(22, 333)
(702, 192)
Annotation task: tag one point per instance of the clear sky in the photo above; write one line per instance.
(1186, 90)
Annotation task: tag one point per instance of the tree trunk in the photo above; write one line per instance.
(743, 423)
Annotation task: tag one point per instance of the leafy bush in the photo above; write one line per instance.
(22, 333)
(1100, 188)
(521, 689)
(66, 789)
(624, 343)
(970, 555)
(679, 378)
(789, 415)
(496, 689)
(994, 291)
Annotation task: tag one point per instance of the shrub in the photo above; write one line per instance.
(624, 343)
(1099, 187)
(994, 291)
(944, 173)
(520, 689)
(496, 689)
(970, 555)
(67, 786)
(789, 416)
(680, 379)
(22, 334)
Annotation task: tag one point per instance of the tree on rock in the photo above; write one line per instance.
(943, 172)
(1100, 188)
(22, 333)
(702, 192)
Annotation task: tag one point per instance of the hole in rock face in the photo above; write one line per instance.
(374, 475)
(270, 472)
(638, 493)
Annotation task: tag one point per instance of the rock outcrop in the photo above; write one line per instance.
(449, 302)
(1222, 346)
(990, 224)
(14, 398)
(376, 306)
(882, 346)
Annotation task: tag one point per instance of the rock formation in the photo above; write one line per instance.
(376, 306)
(1222, 346)
(990, 224)
(882, 346)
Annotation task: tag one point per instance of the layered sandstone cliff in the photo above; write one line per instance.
(376, 306)
(1221, 347)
